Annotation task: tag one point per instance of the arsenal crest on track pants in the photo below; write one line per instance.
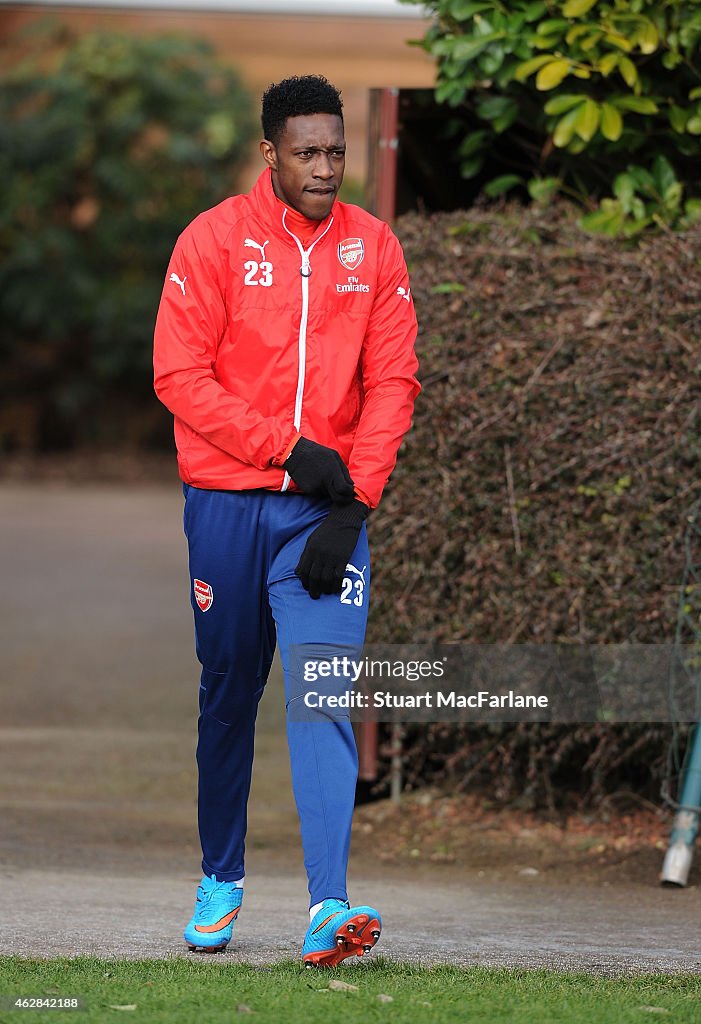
(244, 546)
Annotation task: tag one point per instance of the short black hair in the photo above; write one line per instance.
(295, 97)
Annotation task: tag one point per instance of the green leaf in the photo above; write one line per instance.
(491, 61)
(544, 43)
(638, 104)
(448, 288)
(677, 118)
(565, 128)
(498, 186)
(619, 41)
(563, 102)
(648, 38)
(664, 175)
(608, 62)
(552, 74)
(628, 70)
(542, 190)
(636, 227)
(672, 197)
(472, 143)
(471, 168)
(535, 11)
(576, 8)
(588, 120)
(590, 41)
(525, 70)
(500, 124)
(578, 30)
(637, 207)
(611, 122)
(693, 125)
(469, 48)
(695, 94)
(494, 106)
(692, 209)
(607, 220)
(624, 190)
(644, 181)
(551, 26)
(450, 92)
(461, 10)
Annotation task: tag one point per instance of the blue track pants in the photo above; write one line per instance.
(243, 549)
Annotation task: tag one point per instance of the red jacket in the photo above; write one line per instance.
(259, 339)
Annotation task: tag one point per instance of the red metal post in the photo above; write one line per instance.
(387, 154)
(383, 145)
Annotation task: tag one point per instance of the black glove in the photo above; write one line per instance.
(323, 563)
(317, 469)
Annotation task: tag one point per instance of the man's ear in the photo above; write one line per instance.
(269, 153)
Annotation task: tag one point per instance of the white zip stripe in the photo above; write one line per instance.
(302, 345)
(302, 342)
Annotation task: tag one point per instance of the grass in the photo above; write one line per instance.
(210, 991)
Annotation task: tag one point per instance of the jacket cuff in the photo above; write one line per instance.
(362, 496)
(283, 455)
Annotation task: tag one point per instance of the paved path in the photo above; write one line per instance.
(135, 915)
(98, 850)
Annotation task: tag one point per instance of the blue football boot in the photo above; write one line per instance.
(338, 931)
(217, 907)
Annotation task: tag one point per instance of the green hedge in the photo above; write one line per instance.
(542, 494)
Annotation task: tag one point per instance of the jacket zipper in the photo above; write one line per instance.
(306, 272)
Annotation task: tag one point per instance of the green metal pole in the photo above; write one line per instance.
(677, 862)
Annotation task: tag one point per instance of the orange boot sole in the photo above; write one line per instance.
(354, 938)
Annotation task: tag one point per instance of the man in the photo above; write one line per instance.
(284, 349)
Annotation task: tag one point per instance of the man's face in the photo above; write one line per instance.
(308, 163)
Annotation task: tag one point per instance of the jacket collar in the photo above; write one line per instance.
(270, 209)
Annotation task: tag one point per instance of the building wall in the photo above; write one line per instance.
(356, 54)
